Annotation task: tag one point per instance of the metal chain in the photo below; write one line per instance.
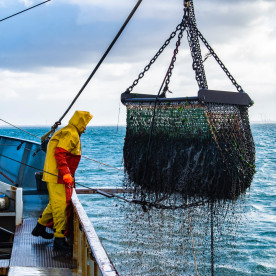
(180, 35)
(193, 35)
(239, 88)
(167, 42)
(193, 41)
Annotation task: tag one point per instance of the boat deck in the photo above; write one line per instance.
(35, 255)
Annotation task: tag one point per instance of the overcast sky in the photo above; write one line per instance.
(47, 53)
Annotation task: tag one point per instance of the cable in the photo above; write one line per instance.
(8, 179)
(104, 164)
(101, 163)
(24, 10)
(192, 239)
(99, 63)
(95, 190)
(118, 117)
(181, 30)
(212, 238)
(109, 195)
(19, 127)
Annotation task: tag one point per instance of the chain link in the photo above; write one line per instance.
(160, 51)
(239, 88)
(193, 35)
(180, 35)
(193, 41)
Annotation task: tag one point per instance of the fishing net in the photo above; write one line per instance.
(189, 158)
(178, 242)
(193, 150)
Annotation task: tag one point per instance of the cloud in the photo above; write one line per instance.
(48, 53)
(68, 33)
(28, 3)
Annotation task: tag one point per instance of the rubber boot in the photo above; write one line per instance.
(61, 245)
(40, 230)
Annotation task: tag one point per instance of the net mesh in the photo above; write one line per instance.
(195, 151)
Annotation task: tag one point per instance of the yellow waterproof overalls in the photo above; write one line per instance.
(62, 157)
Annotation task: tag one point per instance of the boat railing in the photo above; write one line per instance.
(88, 250)
(15, 197)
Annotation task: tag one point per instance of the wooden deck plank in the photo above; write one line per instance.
(30, 251)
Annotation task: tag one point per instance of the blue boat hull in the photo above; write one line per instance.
(19, 161)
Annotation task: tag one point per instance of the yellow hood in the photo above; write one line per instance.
(80, 120)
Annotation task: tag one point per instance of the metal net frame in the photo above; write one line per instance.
(188, 149)
(191, 157)
(196, 149)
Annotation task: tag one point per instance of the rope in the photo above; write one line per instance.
(118, 116)
(94, 190)
(192, 239)
(9, 179)
(24, 10)
(104, 164)
(109, 195)
(101, 163)
(149, 205)
(100, 62)
(160, 89)
(212, 238)
(19, 127)
(39, 138)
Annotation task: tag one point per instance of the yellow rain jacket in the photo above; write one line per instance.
(62, 157)
(64, 149)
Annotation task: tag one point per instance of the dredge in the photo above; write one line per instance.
(198, 146)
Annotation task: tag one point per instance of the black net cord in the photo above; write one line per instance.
(162, 85)
(212, 237)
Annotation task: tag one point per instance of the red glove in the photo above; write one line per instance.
(68, 179)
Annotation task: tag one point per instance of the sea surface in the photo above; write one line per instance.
(163, 242)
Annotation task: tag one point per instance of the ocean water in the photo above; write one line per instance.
(160, 242)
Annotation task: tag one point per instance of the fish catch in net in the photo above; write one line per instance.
(190, 147)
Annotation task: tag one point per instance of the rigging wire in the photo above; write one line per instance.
(8, 178)
(99, 63)
(101, 163)
(39, 139)
(167, 76)
(20, 128)
(83, 156)
(192, 239)
(110, 195)
(212, 238)
(94, 190)
(23, 11)
(118, 116)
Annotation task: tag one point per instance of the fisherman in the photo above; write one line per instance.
(62, 159)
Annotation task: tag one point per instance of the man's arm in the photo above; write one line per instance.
(62, 165)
